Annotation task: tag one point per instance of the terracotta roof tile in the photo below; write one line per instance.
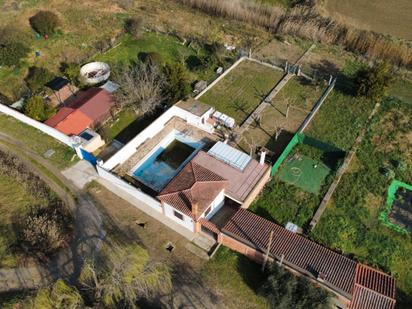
(193, 184)
(299, 252)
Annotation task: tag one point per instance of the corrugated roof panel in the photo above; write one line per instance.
(230, 155)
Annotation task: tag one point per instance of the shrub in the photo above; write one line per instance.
(177, 83)
(284, 290)
(12, 48)
(44, 229)
(4, 100)
(44, 22)
(38, 109)
(37, 78)
(71, 71)
(133, 26)
(373, 83)
(153, 58)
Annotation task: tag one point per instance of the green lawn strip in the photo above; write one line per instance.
(237, 278)
(351, 220)
(122, 120)
(242, 89)
(339, 119)
(402, 89)
(38, 141)
(13, 200)
(128, 49)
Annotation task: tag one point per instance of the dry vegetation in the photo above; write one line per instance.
(305, 22)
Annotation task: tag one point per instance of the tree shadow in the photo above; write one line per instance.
(251, 273)
(276, 146)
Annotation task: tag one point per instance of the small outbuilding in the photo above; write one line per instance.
(60, 90)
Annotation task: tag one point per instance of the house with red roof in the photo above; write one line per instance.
(87, 110)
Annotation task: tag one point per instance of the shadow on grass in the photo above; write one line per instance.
(137, 126)
(251, 273)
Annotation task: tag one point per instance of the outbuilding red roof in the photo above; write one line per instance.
(368, 288)
(194, 184)
(87, 110)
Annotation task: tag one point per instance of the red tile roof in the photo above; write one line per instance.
(87, 110)
(299, 252)
(193, 184)
(373, 289)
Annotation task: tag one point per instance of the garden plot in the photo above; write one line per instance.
(242, 89)
(351, 221)
(301, 95)
(401, 214)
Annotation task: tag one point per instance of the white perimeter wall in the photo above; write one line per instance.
(130, 148)
(38, 125)
(123, 185)
(187, 222)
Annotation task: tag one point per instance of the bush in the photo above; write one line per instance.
(37, 78)
(12, 48)
(133, 26)
(44, 22)
(284, 290)
(177, 83)
(44, 229)
(38, 109)
(373, 82)
(153, 58)
(71, 71)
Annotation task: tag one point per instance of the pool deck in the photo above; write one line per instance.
(174, 124)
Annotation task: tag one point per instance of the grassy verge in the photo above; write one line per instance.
(37, 141)
(242, 89)
(237, 278)
(350, 223)
(13, 200)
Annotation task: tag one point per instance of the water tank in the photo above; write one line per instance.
(95, 72)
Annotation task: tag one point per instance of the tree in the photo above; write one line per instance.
(44, 22)
(124, 275)
(284, 291)
(177, 85)
(12, 48)
(38, 109)
(141, 88)
(373, 82)
(37, 77)
(133, 26)
(58, 296)
(71, 72)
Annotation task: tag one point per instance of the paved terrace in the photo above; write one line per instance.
(175, 123)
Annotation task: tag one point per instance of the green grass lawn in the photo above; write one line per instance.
(350, 222)
(37, 141)
(237, 278)
(169, 47)
(241, 91)
(402, 89)
(13, 199)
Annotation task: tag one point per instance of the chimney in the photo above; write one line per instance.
(262, 157)
(195, 208)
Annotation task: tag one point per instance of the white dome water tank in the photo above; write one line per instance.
(95, 72)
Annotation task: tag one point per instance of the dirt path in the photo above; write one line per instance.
(88, 232)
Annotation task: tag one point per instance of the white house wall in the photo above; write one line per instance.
(187, 222)
(215, 205)
(130, 148)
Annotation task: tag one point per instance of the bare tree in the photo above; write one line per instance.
(141, 88)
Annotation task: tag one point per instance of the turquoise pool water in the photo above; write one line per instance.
(166, 161)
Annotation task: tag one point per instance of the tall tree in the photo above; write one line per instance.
(123, 276)
(141, 88)
(177, 85)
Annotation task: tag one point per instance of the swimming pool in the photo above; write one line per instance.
(166, 160)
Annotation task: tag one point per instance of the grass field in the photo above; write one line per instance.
(13, 199)
(380, 15)
(298, 92)
(242, 89)
(37, 141)
(304, 172)
(350, 222)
